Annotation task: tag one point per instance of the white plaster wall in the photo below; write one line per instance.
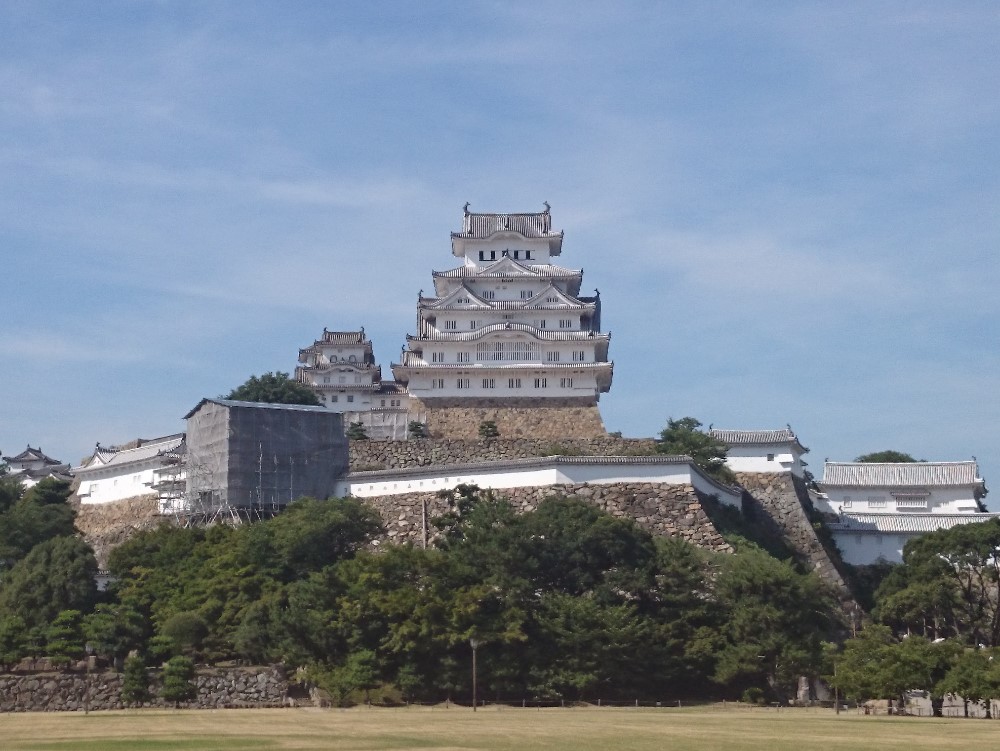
(518, 477)
(867, 548)
(942, 500)
(754, 459)
(584, 383)
(113, 484)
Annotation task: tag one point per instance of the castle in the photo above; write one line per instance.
(506, 337)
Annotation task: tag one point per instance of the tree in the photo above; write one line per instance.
(56, 575)
(488, 429)
(39, 514)
(416, 429)
(683, 437)
(276, 388)
(64, 638)
(186, 631)
(888, 455)
(356, 432)
(177, 680)
(135, 681)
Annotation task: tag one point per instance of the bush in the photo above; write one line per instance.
(135, 681)
(177, 685)
(356, 432)
(488, 429)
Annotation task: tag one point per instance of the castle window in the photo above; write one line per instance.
(566, 383)
(527, 255)
(525, 294)
(383, 402)
(473, 324)
(493, 255)
(450, 325)
(334, 398)
(461, 357)
(565, 323)
(437, 356)
(540, 324)
(541, 383)
(579, 355)
(395, 402)
(552, 357)
(326, 379)
(350, 397)
(462, 383)
(489, 383)
(770, 457)
(551, 299)
(489, 294)
(514, 383)
(437, 383)
(482, 256)
(341, 379)
(515, 254)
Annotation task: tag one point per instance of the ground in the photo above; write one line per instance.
(504, 729)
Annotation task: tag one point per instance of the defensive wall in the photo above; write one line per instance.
(218, 688)
(663, 509)
(552, 418)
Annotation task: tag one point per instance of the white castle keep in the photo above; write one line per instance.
(506, 330)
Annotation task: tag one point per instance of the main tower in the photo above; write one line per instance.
(508, 337)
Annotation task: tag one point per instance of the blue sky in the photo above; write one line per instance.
(790, 210)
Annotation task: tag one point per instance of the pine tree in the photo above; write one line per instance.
(177, 685)
(135, 682)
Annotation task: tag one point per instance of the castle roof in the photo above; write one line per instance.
(257, 405)
(756, 437)
(905, 523)
(30, 455)
(346, 337)
(530, 226)
(506, 268)
(552, 335)
(900, 474)
(137, 450)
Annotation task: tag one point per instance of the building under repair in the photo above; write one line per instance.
(252, 459)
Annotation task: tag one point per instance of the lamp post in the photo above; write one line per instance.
(474, 644)
(89, 650)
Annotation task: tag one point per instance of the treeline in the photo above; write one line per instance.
(936, 622)
(564, 602)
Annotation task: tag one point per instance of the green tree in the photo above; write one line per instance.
(277, 388)
(37, 515)
(13, 639)
(683, 437)
(178, 685)
(356, 432)
(489, 429)
(888, 455)
(972, 676)
(416, 429)
(135, 682)
(186, 631)
(114, 630)
(56, 575)
(64, 638)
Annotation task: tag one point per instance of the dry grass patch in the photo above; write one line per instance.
(490, 729)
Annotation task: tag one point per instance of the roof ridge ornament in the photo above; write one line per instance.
(547, 207)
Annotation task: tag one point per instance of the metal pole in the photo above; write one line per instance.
(473, 643)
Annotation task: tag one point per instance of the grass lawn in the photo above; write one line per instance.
(490, 728)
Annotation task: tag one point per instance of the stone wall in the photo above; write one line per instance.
(662, 509)
(784, 499)
(541, 418)
(218, 688)
(106, 525)
(369, 455)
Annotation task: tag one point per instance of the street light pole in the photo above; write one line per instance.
(88, 650)
(474, 644)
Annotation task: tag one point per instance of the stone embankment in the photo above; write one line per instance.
(784, 499)
(662, 509)
(421, 452)
(547, 418)
(107, 525)
(218, 688)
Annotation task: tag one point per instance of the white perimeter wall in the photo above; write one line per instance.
(866, 548)
(554, 473)
(754, 459)
(114, 484)
(942, 500)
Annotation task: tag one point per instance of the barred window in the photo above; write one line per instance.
(489, 383)
(507, 351)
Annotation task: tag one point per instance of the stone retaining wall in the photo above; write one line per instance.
(662, 509)
(218, 688)
(369, 455)
(784, 498)
(107, 525)
(546, 418)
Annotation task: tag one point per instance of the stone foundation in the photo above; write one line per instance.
(218, 688)
(783, 498)
(537, 418)
(106, 525)
(662, 509)
(422, 452)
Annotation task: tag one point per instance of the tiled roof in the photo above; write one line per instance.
(900, 474)
(138, 450)
(347, 337)
(904, 522)
(32, 455)
(541, 270)
(391, 387)
(482, 226)
(552, 335)
(755, 437)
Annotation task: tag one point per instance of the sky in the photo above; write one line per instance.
(789, 208)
